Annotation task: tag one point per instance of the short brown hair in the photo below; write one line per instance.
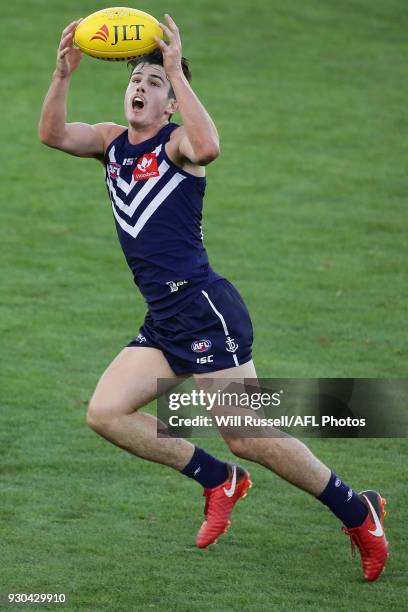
(156, 57)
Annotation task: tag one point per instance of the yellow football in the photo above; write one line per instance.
(117, 33)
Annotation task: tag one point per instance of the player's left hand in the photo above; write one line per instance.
(171, 50)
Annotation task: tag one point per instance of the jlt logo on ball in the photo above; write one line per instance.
(121, 33)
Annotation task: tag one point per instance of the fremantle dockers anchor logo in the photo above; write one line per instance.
(231, 345)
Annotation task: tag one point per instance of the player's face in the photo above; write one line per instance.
(147, 96)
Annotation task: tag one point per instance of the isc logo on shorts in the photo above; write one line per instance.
(200, 346)
(205, 359)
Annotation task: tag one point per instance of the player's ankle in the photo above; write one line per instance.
(206, 469)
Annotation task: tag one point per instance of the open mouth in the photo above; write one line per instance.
(138, 103)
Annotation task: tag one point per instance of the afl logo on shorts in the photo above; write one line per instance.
(200, 346)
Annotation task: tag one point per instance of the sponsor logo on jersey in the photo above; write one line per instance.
(176, 285)
(205, 359)
(113, 170)
(201, 346)
(101, 34)
(146, 167)
(231, 345)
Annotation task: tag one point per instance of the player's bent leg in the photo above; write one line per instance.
(128, 384)
(287, 457)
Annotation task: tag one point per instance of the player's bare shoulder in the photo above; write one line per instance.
(177, 142)
(108, 132)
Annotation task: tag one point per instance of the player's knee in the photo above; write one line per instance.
(98, 417)
(239, 447)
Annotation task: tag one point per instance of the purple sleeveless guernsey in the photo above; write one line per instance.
(157, 208)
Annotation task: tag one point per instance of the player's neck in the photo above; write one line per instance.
(137, 135)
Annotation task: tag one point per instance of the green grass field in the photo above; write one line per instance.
(305, 213)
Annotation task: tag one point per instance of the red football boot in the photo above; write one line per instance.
(370, 537)
(220, 502)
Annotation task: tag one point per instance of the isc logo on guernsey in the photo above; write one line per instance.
(201, 346)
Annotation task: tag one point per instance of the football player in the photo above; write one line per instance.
(197, 323)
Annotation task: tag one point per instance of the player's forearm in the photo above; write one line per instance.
(52, 125)
(199, 126)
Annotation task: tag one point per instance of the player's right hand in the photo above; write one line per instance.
(68, 57)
